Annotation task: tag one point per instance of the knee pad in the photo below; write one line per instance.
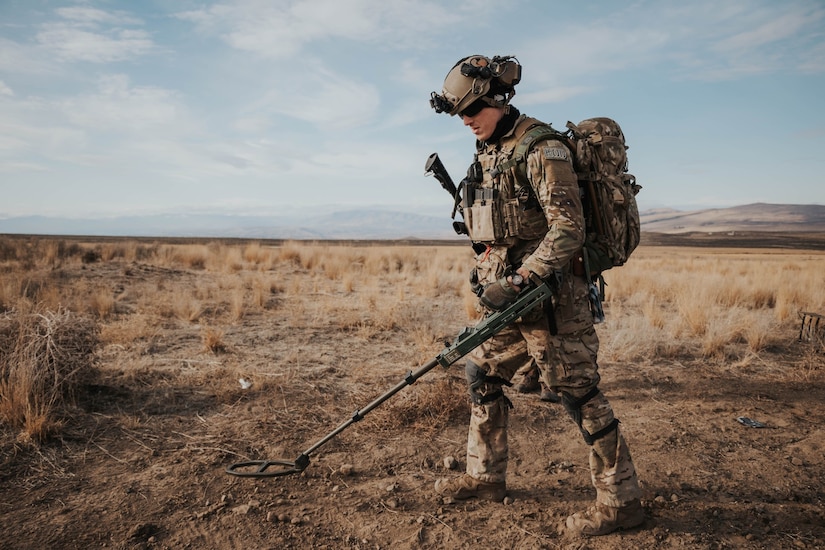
(574, 409)
(477, 378)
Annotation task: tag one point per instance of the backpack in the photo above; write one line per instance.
(608, 192)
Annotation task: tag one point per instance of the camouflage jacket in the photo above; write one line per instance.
(540, 228)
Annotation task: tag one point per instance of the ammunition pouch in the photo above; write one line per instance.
(492, 219)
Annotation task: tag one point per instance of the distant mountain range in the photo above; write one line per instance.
(345, 224)
(750, 217)
(382, 224)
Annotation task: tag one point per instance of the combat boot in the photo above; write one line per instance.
(529, 382)
(465, 486)
(548, 395)
(601, 520)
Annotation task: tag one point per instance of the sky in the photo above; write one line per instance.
(273, 107)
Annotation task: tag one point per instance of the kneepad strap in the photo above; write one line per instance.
(574, 409)
(477, 377)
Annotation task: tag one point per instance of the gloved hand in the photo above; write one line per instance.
(500, 294)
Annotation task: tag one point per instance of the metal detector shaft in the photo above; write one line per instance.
(467, 340)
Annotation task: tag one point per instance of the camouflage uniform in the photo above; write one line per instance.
(545, 238)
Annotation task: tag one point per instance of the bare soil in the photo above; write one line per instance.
(141, 460)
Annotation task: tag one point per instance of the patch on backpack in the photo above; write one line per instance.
(555, 153)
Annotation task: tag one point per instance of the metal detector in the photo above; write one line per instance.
(466, 341)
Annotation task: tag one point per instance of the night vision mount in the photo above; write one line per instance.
(474, 78)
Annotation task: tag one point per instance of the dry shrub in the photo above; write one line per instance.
(237, 305)
(757, 329)
(263, 288)
(213, 340)
(290, 252)
(426, 406)
(128, 330)
(101, 303)
(654, 314)
(695, 315)
(256, 254)
(720, 331)
(44, 358)
(335, 266)
(811, 363)
(228, 259)
(8, 249)
(629, 338)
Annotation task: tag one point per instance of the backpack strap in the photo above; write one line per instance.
(535, 132)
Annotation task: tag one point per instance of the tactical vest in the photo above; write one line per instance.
(500, 207)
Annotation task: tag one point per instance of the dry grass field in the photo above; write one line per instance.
(132, 373)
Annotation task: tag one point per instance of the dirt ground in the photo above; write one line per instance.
(141, 462)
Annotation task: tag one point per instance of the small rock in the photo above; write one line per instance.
(271, 517)
(241, 510)
(508, 501)
(346, 469)
(296, 521)
(674, 498)
(797, 461)
(450, 462)
(283, 518)
(392, 504)
(659, 499)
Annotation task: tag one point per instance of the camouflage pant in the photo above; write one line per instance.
(567, 363)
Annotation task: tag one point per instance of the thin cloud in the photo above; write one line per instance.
(769, 32)
(95, 36)
(697, 41)
(118, 105)
(323, 98)
(92, 16)
(278, 28)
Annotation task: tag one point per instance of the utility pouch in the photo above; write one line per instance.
(479, 220)
(521, 223)
(482, 219)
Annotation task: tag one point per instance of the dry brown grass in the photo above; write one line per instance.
(425, 407)
(708, 303)
(666, 303)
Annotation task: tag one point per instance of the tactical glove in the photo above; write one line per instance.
(498, 295)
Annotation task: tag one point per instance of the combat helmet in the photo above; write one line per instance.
(477, 77)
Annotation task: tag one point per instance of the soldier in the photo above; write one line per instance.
(532, 227)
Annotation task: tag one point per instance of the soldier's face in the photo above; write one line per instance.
(483, 123)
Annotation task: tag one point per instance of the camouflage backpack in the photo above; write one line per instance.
(608, 191)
